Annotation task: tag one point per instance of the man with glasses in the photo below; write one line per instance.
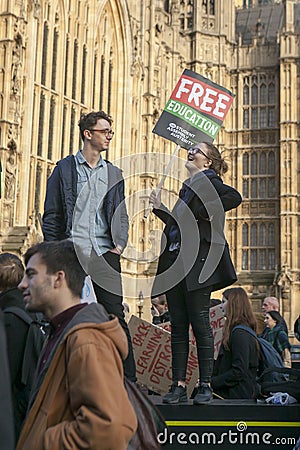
(85, 201)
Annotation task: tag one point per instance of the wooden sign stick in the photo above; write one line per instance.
(163, 178)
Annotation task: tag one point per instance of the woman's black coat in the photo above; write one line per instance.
(16, 333)
(235, 370)
(204, 258)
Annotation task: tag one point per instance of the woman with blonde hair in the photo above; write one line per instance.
(235, 369)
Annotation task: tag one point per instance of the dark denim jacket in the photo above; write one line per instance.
(61, 198)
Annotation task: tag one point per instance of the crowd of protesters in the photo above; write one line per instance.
(78, 398)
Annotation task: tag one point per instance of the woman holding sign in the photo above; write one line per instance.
(194, 262)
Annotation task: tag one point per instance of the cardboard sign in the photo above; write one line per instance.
(217, 324)
(195, 111)
(152, 352)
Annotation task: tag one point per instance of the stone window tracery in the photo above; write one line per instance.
(259, 101)
(259, 173)
(186, 14)
(258, 249)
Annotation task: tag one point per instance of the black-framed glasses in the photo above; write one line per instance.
(195, 150)
(108, 133)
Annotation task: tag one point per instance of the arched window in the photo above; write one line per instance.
(271, 260)
(271, 163)
(271, 235)
(72, 128)
(45, 53)
(37, 198)
(245, 236)
(63, 131)
(94, 79)
(245, 260)
(262, 188)
(246, 188)
(253, 164)
(271, 94)
(75, 64)
(110, 75)
(246, 118)
(262, 259)
(54, 59)
(246, 95)
(271, 188)
(254, 188)
(263, 117)
(246, 164)
(51, 128)
(271, 117)
(253, 259)
(67, 66)
(101, 81)
(41, 125)
(263, 163)
(254, 118)
(253, 235)
(254, 94)
(83, 73)
(263, 94)
(262, 235)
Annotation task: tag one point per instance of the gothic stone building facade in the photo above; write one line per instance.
(59, 58)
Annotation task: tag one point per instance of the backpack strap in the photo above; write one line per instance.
(245, 328)
(19, 312)
(284, 370)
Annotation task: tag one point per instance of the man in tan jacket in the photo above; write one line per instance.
(79, 400)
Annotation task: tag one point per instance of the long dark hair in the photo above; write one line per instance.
(238, 312)
(275, 316)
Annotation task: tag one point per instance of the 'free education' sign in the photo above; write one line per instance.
(195, 111)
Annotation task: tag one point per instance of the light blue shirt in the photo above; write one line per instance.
(90, 229)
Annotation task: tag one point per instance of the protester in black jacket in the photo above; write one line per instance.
(11, 273)
(235, 369)
(7, 435)
(194, 262)
(85, 201)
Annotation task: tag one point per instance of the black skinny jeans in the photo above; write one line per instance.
(190, 308)
(105, 271)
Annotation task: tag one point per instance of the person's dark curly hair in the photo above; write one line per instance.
(88, 121)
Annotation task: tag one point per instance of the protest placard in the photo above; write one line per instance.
(152, 352)
(195, 111)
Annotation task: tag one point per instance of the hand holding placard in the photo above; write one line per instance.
(161, 183)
